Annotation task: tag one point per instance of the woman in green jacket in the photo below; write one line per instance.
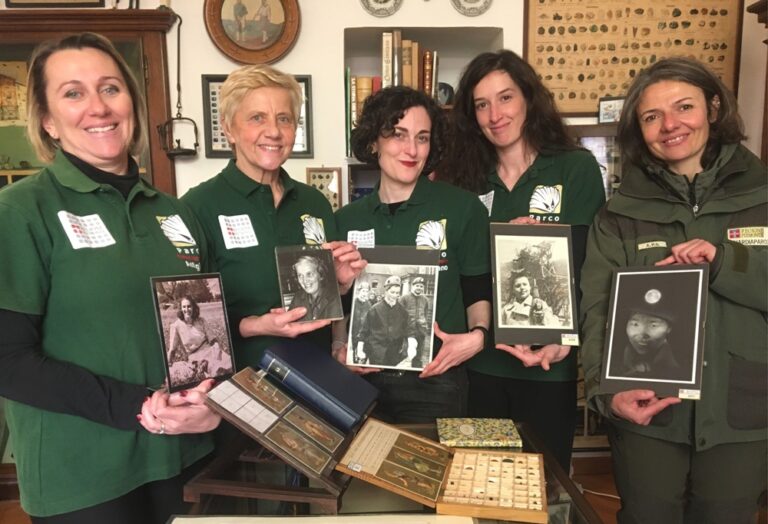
(691, 194)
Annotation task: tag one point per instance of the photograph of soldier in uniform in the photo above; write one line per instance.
(194, 329)
(307, 279)
(397, 330)
(654, 334)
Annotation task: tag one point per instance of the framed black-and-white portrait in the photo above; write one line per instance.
(655, 330)
(308, 279)
(534, 296)
(193, 327)
(393, 309)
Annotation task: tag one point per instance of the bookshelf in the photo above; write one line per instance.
(456, 46)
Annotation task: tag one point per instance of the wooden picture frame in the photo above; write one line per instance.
(327, 180)
(216, 143)
(655, 330)
(49, 4)
(534, 289)
(303, 145)
(246, 34)
(587, 52)
(609, 109)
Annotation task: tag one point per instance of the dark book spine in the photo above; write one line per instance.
(309, 392)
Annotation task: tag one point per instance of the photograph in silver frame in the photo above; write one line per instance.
(533, 284)
(393, 309)
(655, 330)
(194, 330)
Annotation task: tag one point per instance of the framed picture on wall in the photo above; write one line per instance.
(216, 143)
(47, 4)
(252, 31)
(609, 109)
(600, 140)
(327, 180)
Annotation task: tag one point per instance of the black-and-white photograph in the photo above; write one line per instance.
(534, 295)
(308, 279)
(393, 309)
(194, 331)
(655, 330)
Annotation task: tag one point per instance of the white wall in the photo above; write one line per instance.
(319, 52)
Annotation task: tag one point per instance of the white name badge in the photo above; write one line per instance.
(237, 231)
(365, 239)
(487, 200)
(85, 232)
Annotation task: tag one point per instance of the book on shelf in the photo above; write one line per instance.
(407, 63)
(347, 109)
(478, 433)
(386, 59)
(435, 73)
(397, 57)
(376, 84)
(340, 396)
(364, 90)
(415, 65)
(427, 76)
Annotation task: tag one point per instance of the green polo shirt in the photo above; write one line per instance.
(465, 249)
(564, 188)
(79, 254)
(243, 227)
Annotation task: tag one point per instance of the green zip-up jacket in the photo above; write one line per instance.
(655, 210)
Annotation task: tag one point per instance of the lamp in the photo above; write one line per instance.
(178, 125)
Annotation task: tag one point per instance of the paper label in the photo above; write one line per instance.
(487, 200)
(749, 236)
(85, 232)
(237, 231)
(364, 239)
(651, 245)
(569, 339)
(689, 394)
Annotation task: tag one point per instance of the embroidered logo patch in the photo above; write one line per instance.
(749, 236)
(546, 200)
(85, 232)
(431, 234)
(177, 232)
(237, 231)
(651, 245)
(314, 231)
(364, 239)
(487, 200)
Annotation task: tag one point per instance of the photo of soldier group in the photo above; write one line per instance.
(392, 319)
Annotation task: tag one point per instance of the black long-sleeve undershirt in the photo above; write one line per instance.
(28, 376)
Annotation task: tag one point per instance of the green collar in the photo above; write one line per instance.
(541, 163)
(72, 178)
(245, 185)
(419, 195)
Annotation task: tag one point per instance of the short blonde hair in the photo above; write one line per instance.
(242, 81)
(37, 104)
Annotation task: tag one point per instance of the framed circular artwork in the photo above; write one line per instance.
(381, 8)
(471, 7)
(253, 31)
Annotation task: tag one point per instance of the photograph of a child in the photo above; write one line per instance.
(392, 319)
(308, 279)
(654, 330)
(195, 332)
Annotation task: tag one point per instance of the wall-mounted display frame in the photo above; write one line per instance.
(216, 143)
(253, 31)
(327, 180)
(585, 52)
(600, 140)
(609, 109)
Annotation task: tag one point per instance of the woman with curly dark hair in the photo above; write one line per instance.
(509, 145)
(402, 131)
